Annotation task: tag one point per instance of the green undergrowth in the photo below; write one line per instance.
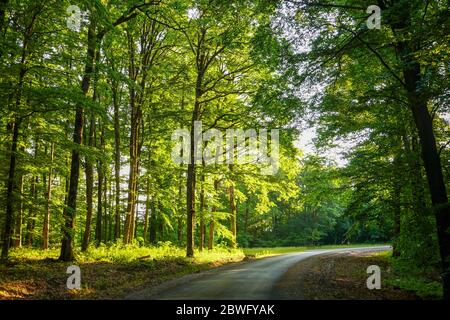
(424, 281)
(128, 253)
(107, 272)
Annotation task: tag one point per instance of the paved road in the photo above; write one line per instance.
(244, 281)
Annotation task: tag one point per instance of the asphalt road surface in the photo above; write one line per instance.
(253, 280)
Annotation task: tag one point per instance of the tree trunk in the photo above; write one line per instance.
(70, 210)
(14, 127)
(179, 230)
(116, 163)
(396, 208)
(136, 117)
(147, 211)
(190, 200)
(430, 156)
(233, 223)
(100, 170)
(46, 227)
(211, 222)
(191, 171)
(105, 207)
(132, 173)
(19, 218)
(31, 213)
(246, 218)
(89, 186)
(161, 223)
(180, 195)
(202, 212)
(8, 226)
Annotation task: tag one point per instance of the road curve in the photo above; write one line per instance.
(253, 280)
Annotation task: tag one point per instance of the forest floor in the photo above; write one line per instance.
(114, 272)
(342, 276)
(106, 273)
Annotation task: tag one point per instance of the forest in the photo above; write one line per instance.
(93, 92)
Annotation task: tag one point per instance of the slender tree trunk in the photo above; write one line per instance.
(70, 210)
(46, 227)
(132, 175)
(161, 224)
(233, 223)
(8, 226)
(190, 200)
(202, 212)
(396, 208)
(105, 208)
(134, 217)
(179, 230)
(180, 195)
(32, 213)
(89, 186)
(153, 223)
(116, 163)
(100, 170)
(211, 222)
(109, 215)
(89, 164)
(136, 116)
(19, 218)
(147, 211)
(191, 172)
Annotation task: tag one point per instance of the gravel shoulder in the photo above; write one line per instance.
(337, 276)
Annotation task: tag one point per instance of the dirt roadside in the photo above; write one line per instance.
(337, 276)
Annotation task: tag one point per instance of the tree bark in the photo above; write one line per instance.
(134, 136)
(105, 206)
(100, 175)
(8, 227)
(190, 195)
(233, 222)
(211, 222)
(14, 126)
(147, 211)
(396, 208)
(31, 213)
(246, 218)
(19, 218)
(89, 186)
(202, 212)
(430, 156)
(46, 227)
(116, 163)
(70, 210)
(153, 222)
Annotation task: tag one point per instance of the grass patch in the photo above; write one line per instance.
(107, 272)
